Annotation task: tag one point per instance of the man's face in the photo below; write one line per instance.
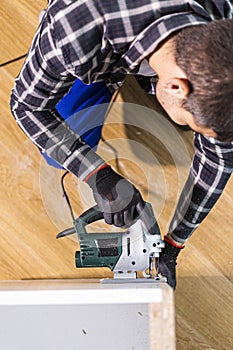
(177, 113)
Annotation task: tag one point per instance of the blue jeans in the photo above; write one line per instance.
(84, 109)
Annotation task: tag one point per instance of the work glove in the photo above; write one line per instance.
(167, 261)
(120, 202)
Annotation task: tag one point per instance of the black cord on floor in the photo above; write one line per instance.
(13, 60)
(66, 195)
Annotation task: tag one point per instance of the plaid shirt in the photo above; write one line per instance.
(100, 40)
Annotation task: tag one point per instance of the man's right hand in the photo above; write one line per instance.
(120, 202)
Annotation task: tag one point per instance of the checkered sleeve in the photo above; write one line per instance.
(44, 79)
(211, 168)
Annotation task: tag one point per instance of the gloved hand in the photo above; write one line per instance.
(167, 261)
(120, 202)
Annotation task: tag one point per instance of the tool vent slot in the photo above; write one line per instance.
(128, 246)
(107, 247)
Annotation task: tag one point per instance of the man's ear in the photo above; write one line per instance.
(178, 87)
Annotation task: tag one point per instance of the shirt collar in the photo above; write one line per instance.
(149, 39)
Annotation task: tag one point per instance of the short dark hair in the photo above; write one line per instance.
(205, 53)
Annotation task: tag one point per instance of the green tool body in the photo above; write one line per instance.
(96, 249)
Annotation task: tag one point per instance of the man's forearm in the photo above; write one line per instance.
(53, 136)
(43, 80)
(211, 169)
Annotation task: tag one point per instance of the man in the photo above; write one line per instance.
(186, 49)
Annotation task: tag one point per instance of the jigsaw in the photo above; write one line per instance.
(125, 253)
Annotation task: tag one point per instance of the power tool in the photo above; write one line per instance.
(125, 253)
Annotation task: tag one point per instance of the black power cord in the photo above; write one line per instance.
(13, 60)
(66, 195)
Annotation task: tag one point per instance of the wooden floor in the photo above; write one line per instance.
(146, 148)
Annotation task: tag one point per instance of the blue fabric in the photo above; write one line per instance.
(84, 109)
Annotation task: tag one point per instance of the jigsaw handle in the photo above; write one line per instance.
(94, 214)
(146, 215)
(91, 215)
